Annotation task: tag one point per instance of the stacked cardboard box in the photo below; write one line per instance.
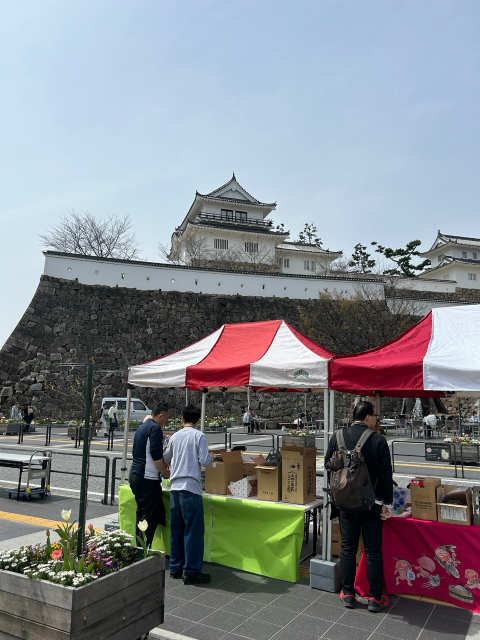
(298, 475)
(336, 542)
(222, 472)
(424, 498)
(453, 513)
(269, 483)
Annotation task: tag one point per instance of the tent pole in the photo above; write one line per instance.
(325, 480)
(123, 474)
(377, 404)
(248, 398)
(331, 430)
(204, 404)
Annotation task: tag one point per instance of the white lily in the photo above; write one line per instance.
(143, 525)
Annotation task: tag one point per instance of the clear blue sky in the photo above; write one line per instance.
(362, 117)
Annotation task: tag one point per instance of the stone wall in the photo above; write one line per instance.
(66, 322)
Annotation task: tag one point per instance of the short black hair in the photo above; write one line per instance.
(363, 409)
(161, 407)
(191, 413)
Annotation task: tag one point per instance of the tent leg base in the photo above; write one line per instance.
(324, 575)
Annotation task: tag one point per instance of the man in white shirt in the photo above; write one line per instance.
(248, 420)
(187, 450)
(16, 412)
(430, 423)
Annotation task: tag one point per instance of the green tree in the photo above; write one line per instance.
(403, 258)
(309, 235)
(361, 260)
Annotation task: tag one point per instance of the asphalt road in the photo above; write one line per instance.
(66, 466)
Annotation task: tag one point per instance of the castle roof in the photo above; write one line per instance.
(232, 191)
(444, 239)
(310, 248)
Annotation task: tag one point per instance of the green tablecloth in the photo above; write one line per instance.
(257, 536)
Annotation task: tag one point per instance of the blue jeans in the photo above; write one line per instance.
(186, 532)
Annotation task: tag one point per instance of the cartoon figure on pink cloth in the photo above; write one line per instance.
(404, 571)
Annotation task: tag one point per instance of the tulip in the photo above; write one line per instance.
(66, 513)
(143, 525)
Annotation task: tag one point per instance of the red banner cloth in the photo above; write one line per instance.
(433, 559)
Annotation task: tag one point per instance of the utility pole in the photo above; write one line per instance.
(85, 462)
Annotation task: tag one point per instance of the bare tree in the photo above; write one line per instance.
(85, 235)
(195, 249)
(364, 321)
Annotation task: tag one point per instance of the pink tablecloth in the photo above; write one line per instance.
(432, 559)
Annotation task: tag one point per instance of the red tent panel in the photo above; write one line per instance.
(394, 369)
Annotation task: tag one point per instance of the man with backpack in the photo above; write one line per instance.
(361, 484)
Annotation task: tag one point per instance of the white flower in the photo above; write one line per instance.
(143, 525)
(66, 513)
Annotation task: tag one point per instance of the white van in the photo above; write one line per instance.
(138, 409)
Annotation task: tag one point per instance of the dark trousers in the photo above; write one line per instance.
(369, 524)
(148, 496)
(186, 532)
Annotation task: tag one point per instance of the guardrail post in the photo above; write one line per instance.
(107, 473)
(393, 456)
(112, 485)
(20, 434)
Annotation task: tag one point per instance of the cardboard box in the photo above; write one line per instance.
(454, 513)
(269, 483)
(336, 542)
(221, 473)
(298, 476)
(424, 498)
(476, 505)
(248, 468)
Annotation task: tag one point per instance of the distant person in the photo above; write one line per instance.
(147, 468)
(430, 422)
(255, 423)
(28, 418)
(247, 420)
(103, 418)
(186, 452)
(112, 418)
(16, 412)
(376, 454)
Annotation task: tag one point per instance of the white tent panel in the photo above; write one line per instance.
(452, 361)
(170, 371)
(289, 363)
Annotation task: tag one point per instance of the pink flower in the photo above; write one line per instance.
(56, 554)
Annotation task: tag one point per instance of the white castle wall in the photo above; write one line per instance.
(153, 276)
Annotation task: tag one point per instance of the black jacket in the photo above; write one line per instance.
(377, 458)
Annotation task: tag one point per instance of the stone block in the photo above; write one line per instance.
(38, 386)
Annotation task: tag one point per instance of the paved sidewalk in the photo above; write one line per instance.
(240, 606)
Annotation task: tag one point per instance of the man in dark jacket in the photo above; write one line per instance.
(146, 471)
(369, 523)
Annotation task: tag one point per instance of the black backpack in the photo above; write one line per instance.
(350, 484)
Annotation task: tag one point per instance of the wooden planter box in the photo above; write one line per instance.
(13, 428)
(121, 606)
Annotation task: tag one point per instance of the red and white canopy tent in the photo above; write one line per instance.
(259, 356)
(438, 355)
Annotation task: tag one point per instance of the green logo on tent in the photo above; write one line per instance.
(301, 373)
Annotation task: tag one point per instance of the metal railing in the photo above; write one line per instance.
(422, 455)
(249, 222)
(104, 476)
